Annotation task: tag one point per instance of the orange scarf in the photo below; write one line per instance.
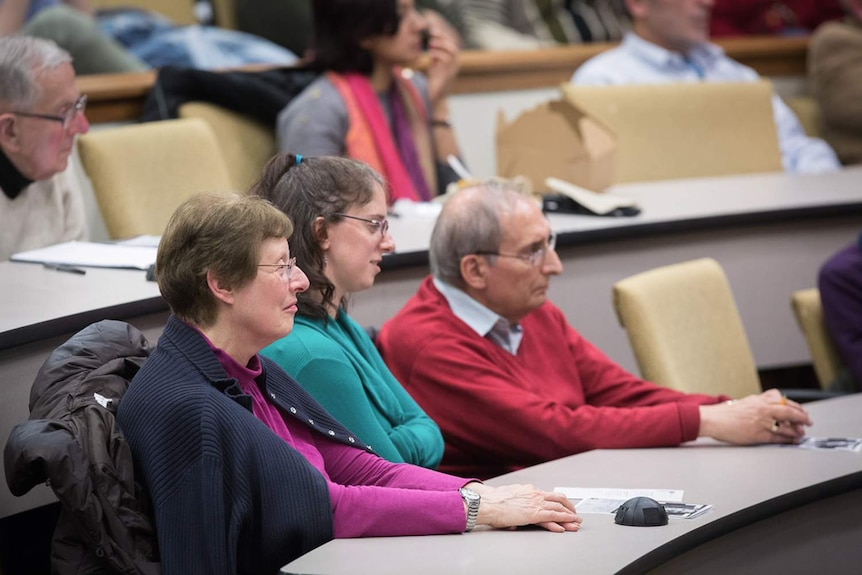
(370, 139)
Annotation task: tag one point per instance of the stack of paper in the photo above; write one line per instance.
(607, 500)
(599, 204)
(91, 254)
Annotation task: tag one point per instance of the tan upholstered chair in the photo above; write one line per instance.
(179, 12)
(142, 172)
(673, 131)
(245, 143)
(807, 112)
(685, 330)
(225, 13)
(809, 313)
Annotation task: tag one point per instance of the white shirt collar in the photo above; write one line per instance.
(480, 319)
(704, 54)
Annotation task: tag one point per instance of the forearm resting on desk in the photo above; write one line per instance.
(764, 418)
(516, 505)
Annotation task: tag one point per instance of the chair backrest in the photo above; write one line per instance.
(225, 13)
(142, 172)
(685, 330)
(807, 111)
(670, 131)
(809, 313)
(246, 144)
(180, 12)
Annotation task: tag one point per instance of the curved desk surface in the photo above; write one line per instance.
(771, 232)
(40, 303)
(676, 206)
(774, 507)
(37, 302)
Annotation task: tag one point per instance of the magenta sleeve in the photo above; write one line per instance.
(372, 497)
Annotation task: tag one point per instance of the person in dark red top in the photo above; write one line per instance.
(771, 17)
(510, 382)
(840, 283)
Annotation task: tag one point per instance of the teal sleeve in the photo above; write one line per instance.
(323, 367)
(416, 435)
(327, 375)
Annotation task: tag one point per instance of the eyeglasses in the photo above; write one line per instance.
(535, 257)
(66, 119)
(381, 225)
(286, 270)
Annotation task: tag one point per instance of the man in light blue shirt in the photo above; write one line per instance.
(670, 43)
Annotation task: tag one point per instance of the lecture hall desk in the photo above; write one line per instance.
(771, 232)
(775, 510)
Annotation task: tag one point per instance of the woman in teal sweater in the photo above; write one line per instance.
(338, 207)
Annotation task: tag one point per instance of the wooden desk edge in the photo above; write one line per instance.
(120, 97)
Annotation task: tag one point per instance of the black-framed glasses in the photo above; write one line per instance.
(379, 225)
(65, 119)
(286, 270)
(535, 257)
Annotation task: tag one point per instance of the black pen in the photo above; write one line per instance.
(65, 268)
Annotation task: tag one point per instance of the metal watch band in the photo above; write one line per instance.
(472, 499)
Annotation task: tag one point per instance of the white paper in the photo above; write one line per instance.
(670, 495)
(91, 254)
(597, 203)
(674, 509)
(411, 209)
(831, 443)
(596, 505)
(141, 241)
(686, 510)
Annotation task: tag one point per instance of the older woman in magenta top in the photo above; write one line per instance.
(245, 470)
(339, 208)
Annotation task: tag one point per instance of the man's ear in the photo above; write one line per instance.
(474, 271)
(320, 233)
(219, 289)
(8, 130)
(636, 8)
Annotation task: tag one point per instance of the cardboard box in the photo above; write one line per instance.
(556, 139)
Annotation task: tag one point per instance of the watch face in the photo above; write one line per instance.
(469, 494)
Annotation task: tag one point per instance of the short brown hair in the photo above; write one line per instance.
(221, 233)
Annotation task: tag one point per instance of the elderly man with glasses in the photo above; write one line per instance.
(41, 112)
(509, 382)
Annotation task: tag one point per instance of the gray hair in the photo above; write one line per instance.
(470, 223)
(22, 60)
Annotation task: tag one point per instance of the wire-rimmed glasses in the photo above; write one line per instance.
(286, 270)
(535, 257)
(64, 119)
(379, 225)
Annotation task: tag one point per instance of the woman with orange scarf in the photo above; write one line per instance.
(368, 105)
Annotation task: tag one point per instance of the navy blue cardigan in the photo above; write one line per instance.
(229, 495)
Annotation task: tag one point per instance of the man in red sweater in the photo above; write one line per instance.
(509, 382)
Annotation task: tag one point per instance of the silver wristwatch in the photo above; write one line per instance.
(472, 500)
